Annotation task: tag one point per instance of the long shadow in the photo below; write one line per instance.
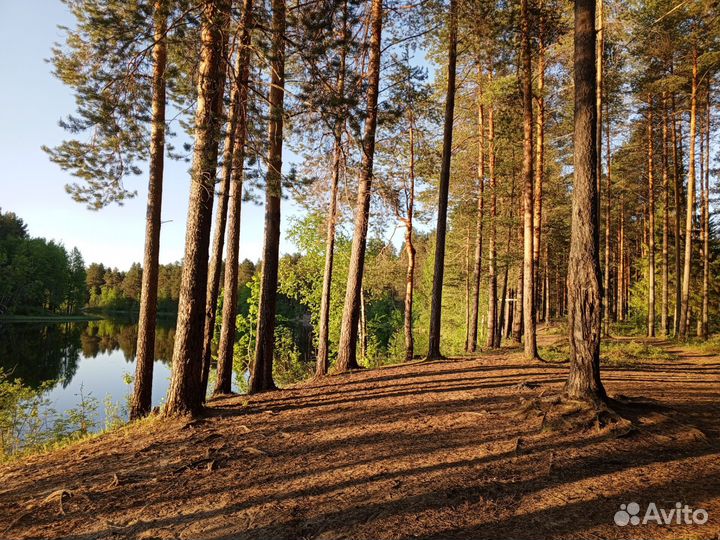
(329, 382)
(447, 496)
(365, 396)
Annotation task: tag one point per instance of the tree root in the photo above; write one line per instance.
(58, 494)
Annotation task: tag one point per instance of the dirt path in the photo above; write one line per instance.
(441, 450)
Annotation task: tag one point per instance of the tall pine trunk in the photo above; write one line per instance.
(215, 268)
(608, 201)
(690, 210)
(677, 191)
(584, 266)
(651, 224)
(185, 392)
(539, 168)
(225, 352)
(347, 348)
(261, 378)
(528, 195)
(493, 334)
(664, 302)
(443, 190)
(410, 251)
(322, 363)
(471, 345)
(142, 391)
(704, 329)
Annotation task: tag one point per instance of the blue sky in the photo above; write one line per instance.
(31, 103)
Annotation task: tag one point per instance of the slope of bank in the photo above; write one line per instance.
(457, 449)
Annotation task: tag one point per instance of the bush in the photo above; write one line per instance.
(29, 423)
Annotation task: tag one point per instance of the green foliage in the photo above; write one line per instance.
(290, 364)
(29, 423)
(36, 275)
(631, 352)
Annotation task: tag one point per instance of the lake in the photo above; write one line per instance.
(92, 357)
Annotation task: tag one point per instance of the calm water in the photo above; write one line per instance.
(92, 355)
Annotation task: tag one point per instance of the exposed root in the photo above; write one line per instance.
(58, 494)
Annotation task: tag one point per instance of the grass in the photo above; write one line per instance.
(613, 353)
(623, 353)
(711, 346)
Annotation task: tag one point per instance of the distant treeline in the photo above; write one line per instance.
(37, 275)
(112, 290)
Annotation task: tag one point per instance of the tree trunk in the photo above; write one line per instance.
(505, 327)
(677, 191)
(348, 332)
(528, 195)
(493, 334)
(261, 378)
(410, 251)
(142, 391)
(467, 289)
(223, 384)
(664, 308)
(621, 262)
(651, 225)
(706, 223)
(546, 286)
(215, 268)
(362, 327)
(689, 215)
(539, 167)
(471, 345)
(608, 184)
(185, 392)
(443, 189)
(584, 266)
(323, 355)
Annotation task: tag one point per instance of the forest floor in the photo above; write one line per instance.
(464, 448)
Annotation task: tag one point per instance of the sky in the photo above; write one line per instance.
(31, 103)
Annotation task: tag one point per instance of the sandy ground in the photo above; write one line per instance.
(465, 448)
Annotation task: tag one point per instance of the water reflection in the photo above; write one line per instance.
(88, 356)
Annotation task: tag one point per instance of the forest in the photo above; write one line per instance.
(509, 205)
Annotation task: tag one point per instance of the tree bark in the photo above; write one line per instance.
(410, 251)
(584, 300)
(651, 224)
(142, 390)
(493, 335)
(621, 262)
(471, 345)
(689, 215)
(529, 316)
(348, 332)
(225, 354)
(323, 355)
(185, 392)
(467, 288)
(664, 307)
(704, 329)
(215, 268)
(261, 378)
(539, 164)
(677, 191)
(443, 190)
(606, 277)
